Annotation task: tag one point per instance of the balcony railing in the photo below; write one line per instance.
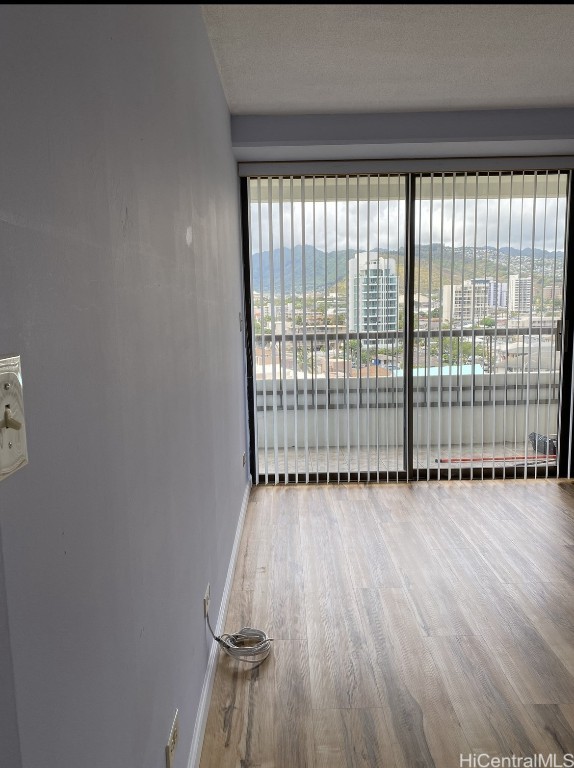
(476, 407)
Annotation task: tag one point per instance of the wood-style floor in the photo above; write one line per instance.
(413, 624)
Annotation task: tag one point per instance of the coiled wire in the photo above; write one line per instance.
(248, 644)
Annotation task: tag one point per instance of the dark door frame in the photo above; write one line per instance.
(565, 466)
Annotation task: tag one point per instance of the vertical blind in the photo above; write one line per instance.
(346, 350)
(489, 263)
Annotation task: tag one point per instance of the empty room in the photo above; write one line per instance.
(286, 386)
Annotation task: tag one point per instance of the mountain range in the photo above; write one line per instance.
(320, 268)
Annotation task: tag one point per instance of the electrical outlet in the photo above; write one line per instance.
(206, 601)
(171, 745)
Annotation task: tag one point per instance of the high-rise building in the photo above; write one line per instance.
(465, 303)
(519, 293)
(373, 293)
(552, 292)
(471, 302)
(497, 294)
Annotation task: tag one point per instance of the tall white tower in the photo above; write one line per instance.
(373, 293)
(519, 294)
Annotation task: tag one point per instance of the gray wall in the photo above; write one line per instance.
(9, 739)
(402, 135)
(114, 140)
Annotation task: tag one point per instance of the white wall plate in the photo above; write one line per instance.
(13, 449)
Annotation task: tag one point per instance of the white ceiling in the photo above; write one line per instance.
(304, 59)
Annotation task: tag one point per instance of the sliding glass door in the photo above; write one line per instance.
(405, 325)
(489, 263)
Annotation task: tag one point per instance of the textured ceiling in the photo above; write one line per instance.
(300, 59)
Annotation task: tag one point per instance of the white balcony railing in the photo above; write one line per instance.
(468, 411)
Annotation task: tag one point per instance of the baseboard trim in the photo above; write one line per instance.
(201, 719)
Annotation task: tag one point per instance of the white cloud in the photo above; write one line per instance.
(520, 223)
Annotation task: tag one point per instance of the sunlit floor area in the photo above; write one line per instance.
(344, 459)
(413, 624)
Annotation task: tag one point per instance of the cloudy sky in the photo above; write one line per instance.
(519, 223)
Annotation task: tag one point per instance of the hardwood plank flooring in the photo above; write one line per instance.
(413, 623)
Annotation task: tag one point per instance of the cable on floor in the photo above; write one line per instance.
(248, 644)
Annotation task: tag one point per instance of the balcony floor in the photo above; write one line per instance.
(390, 459)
